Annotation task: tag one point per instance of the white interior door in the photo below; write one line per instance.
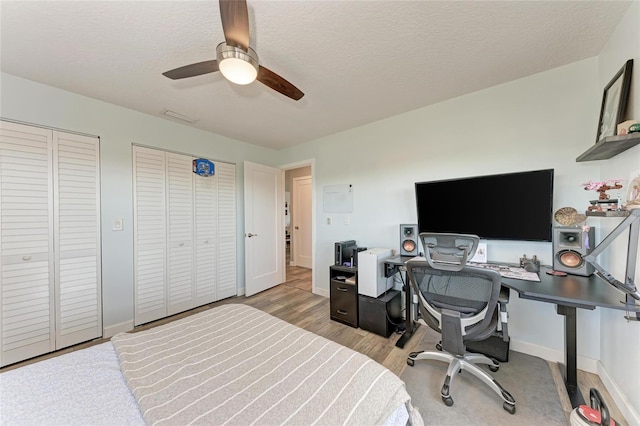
(226, 281)
(206, 237)
(150, 234)
(263, 227)
(77, 238)
(302, 221)
(26, 243)
(180, 293)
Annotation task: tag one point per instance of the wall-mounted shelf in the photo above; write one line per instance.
(610, 213)
(609, 147)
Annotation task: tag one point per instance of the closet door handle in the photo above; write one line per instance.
(180, 244)
(206, 241)
(26, 258)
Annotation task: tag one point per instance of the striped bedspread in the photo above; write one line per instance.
(235, 364)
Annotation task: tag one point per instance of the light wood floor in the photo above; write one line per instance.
(293, 302)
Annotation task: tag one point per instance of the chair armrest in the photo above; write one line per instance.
(504, 295)
(503, 315)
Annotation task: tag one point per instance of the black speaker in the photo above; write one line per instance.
(408, 240)
(569, 245)
(378, 315)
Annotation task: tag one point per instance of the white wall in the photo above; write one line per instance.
(118, 128)
(543, 121)
(619, 339)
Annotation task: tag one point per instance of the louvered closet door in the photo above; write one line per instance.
(26, 243)
(180, 294)
(206, 237)
(149, 234)
(226, 284)
(77, 238)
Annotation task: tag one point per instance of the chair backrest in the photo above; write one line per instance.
(460, 302)
(449, 251)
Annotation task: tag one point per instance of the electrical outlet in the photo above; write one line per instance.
(347, 220)
(118, 225)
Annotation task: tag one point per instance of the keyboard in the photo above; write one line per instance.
(508, 271)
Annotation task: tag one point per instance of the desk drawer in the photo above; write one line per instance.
(344, 303)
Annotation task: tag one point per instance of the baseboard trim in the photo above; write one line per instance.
(112, 330)
(587, 364)
(624, 405)
(321, 292)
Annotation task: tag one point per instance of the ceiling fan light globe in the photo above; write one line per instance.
(236, 65)
(237, 71)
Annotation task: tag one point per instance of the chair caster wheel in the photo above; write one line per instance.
(410, 362)
(509, 407)
(448, 401)
(494, 368)
(439, 347)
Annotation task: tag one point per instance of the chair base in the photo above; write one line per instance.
(467, 363)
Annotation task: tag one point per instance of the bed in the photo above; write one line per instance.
(233, 364)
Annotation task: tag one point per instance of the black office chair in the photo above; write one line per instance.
(460, 302)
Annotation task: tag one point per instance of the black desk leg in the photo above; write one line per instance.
(410, 325)
(571, 354)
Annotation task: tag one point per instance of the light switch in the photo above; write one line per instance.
(347, 220)
(118, 225)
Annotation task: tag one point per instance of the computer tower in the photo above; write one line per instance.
(378, 315)
(344, 251)
(371, 272)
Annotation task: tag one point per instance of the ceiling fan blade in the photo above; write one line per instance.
(279, 84)
(235, 23)
(192, 70)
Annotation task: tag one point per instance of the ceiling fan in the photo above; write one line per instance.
(236, 61)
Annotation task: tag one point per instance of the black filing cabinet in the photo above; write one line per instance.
(343, 299)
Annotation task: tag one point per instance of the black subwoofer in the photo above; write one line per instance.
(380, 315)
(570, 244)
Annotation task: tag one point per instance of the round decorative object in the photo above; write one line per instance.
(568, 216)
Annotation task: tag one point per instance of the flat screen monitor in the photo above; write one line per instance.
(512, 206)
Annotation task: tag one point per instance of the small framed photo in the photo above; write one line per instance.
(614, 101)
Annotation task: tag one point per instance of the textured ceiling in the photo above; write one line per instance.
(356, 61)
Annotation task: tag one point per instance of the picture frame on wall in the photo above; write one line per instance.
(614, 101)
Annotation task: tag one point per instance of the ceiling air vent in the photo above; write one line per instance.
(177, 116)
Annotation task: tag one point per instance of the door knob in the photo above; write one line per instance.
(297, 227)
(251, 235)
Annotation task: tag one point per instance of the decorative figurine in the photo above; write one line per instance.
(603, 187)
(604, 203)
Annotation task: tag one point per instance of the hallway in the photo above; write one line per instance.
(296, 276)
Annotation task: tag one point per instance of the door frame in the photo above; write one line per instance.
(303, 163)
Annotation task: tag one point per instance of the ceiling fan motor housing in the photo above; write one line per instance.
(237, 65)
